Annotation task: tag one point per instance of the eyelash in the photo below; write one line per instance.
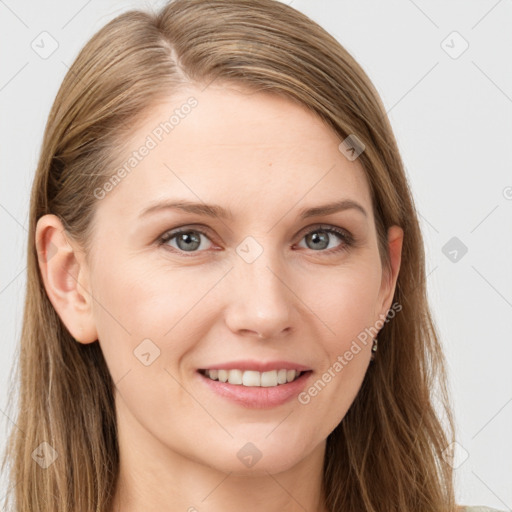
(347, 239)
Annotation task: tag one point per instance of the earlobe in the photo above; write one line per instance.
(65, 278)
(389, 279)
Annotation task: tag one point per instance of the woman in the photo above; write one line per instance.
(188, 343)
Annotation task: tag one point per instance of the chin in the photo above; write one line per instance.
(248, 458)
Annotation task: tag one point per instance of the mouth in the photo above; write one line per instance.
(252, 389)
(253, 378)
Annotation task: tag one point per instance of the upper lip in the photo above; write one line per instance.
(258, 366)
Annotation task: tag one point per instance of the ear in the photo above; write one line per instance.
(66, 278)
(388, 285)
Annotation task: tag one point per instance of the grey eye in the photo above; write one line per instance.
(187, 241)
(319, 238)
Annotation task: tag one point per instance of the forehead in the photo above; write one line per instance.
(236, 147)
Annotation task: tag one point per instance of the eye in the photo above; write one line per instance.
(189, 240)
(318, 238)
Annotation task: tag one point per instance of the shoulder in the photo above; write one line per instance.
(477, 508)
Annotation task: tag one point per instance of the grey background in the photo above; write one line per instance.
(452, 116)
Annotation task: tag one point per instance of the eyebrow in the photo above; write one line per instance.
(215, 211)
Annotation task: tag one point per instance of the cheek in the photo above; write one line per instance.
(346, 302)
(346, 309)
(135, 303)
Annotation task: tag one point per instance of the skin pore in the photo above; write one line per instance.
(303, 297)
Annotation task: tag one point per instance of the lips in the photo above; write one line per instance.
(253, 384)
(258, 366)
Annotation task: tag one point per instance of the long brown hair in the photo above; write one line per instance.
(387, 453)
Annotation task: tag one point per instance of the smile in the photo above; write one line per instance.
(253, 378)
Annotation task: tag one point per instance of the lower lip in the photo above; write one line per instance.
(258, 397)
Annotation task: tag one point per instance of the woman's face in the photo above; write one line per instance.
(260, 288)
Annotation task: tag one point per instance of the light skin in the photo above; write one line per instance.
(264, 158)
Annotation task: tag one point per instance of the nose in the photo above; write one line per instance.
(260, 301)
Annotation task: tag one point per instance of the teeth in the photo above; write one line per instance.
(235, 377)
(250, 378)
(269, 379)
(253, 378)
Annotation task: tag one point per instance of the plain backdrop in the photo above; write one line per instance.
(443, 70)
